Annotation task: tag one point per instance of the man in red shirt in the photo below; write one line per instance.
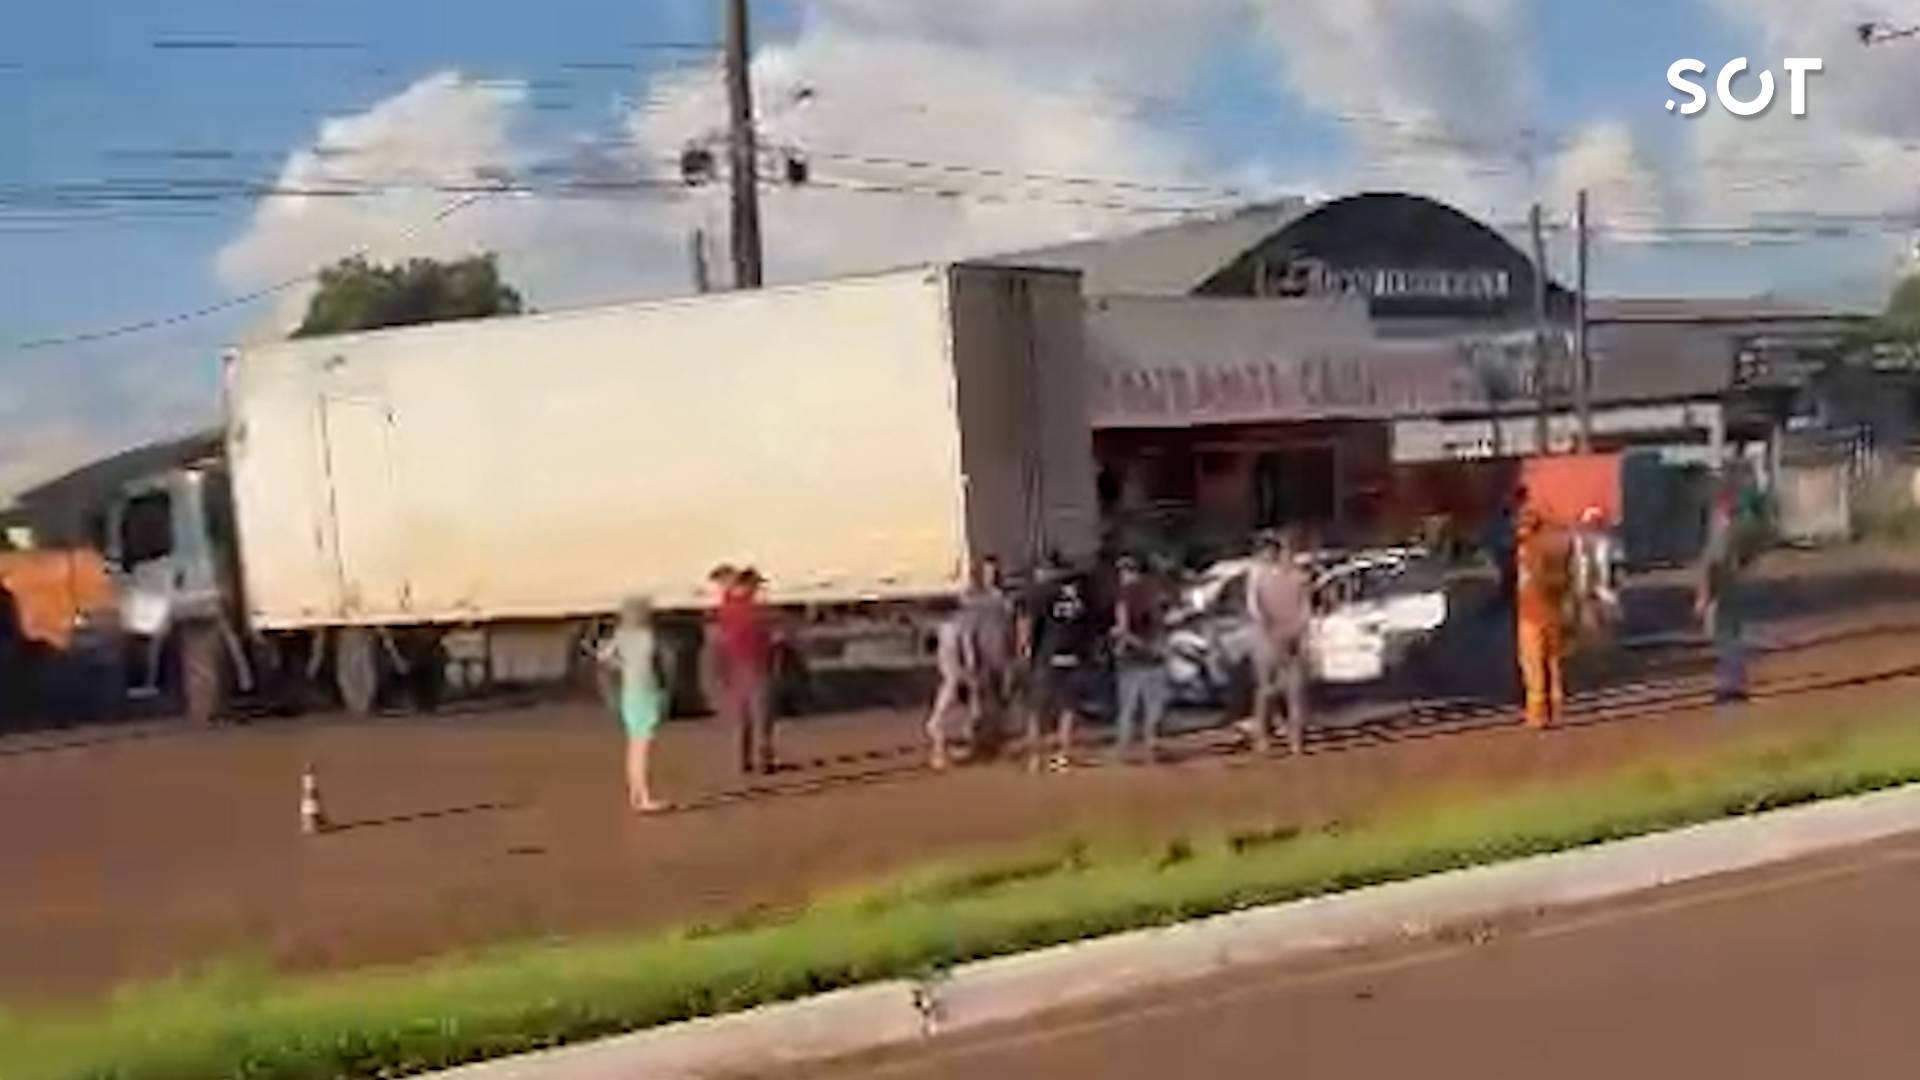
(745, 654)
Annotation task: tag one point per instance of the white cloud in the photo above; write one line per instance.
(1854, 143)
(1021, 162)
(1015, 154)
(416, 152)
(1622, 188)
(1435, 94)
(1148, 44)
(1852, 158)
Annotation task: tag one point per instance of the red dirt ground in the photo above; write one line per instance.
(132, 852)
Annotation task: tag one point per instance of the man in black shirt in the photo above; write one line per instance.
(1060, 633)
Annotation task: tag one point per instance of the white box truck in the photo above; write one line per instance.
(859, 441)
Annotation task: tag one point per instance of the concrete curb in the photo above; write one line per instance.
(1009, 988)
(811, 1029)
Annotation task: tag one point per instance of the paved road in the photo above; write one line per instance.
(1810, 971)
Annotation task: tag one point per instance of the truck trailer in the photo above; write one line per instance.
(860, 442)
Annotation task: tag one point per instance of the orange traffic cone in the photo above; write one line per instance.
(313, 818)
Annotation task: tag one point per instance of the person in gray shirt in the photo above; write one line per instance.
(975, 654)
(1719, 599)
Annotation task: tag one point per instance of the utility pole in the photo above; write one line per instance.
(746, 185)
(697, 259)
(1583, 372)
(1540, 396)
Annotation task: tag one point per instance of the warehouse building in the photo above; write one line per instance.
(1363, 368)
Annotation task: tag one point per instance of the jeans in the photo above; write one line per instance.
(1143, 703)
(1729, 652)
(746, 701)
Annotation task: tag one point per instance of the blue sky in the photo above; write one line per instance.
(1200, 102)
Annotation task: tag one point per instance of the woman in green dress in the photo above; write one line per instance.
(631, 652)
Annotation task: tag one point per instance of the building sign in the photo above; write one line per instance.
(1375, 383)
(1516, 434)
(1161, 362)
(1312, 277)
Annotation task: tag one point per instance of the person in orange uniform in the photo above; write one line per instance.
(1542, 568)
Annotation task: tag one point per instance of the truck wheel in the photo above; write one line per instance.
(202, 672)
(356, 669)
(678, 658)
(792, 684)
(426, 656)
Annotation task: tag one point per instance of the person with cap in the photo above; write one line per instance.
(1280, 602)
(1541, 571)
(630, 652)
(1140, 657)
(745, 642)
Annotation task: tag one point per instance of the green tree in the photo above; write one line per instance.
(355, 294)
(1901, 320)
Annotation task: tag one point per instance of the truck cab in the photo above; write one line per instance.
(163, 538)
(169, 538)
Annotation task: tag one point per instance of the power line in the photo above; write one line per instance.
(999, 173)
(146, 325)
(853, 156)
(214, 189)
(864, 187)
(185, 44)
(102, 195)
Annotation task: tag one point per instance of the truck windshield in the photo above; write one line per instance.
(146, 529)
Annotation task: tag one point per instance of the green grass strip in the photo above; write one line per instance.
(395, 1021)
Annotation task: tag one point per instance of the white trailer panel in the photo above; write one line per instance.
(545, 466)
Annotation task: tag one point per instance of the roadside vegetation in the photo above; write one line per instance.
(242, 1022)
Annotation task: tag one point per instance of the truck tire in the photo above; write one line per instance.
(202, 672)
(678, 648)
(356, 669)
(793, 690)
(426, 657)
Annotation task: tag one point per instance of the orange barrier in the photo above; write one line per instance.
(1561, 487)
(51, 589)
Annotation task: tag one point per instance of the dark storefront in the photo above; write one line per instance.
(1363, 369)
(1330, 478)
(1263, 392)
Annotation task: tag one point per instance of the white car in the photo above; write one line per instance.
(1370, 609)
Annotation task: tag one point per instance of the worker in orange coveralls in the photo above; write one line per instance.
(1542, 568)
